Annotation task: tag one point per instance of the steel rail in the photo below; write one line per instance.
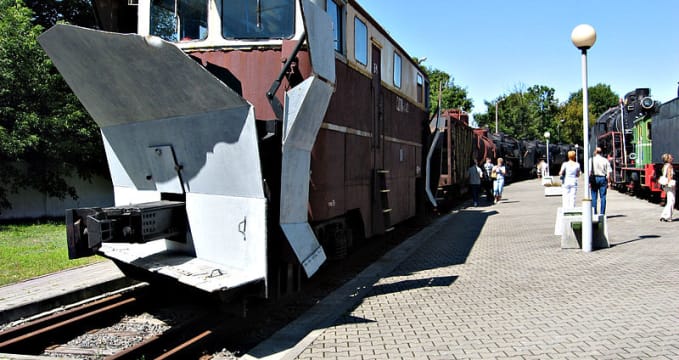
(42, 331)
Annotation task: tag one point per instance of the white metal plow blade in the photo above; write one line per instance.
(169, 126)
(305, 107)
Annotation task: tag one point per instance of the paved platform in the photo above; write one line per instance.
(492, 282)
(489, 282)
(44, 293)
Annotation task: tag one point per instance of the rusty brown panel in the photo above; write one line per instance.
(256, 70)
(326, 203)
(327, 158)
(401, 175)
(403, 120)
(402, 199)
(303, 63)
(358, 167)
(358, 197)
(358, 177)
(350, 105)
(326, 191)
(461, 155)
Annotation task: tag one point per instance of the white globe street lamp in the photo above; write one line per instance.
(547, 134)
(583, 37)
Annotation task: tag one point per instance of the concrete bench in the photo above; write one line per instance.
(569, 226)
(552, 187)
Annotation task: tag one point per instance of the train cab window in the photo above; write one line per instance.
(179, 20)
(360, 41)
(258, 19)
(336, 12)
(420, 88)
(397, 70)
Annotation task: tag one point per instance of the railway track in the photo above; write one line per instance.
(134, 325)
(157, 323)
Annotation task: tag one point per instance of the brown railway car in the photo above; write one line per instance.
(452, 153)
(275, 133)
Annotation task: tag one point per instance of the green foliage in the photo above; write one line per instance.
(524, 113)
(452, 96)
(45, 134)
(529, 113)
(49, 12)
(31, 250)
(600, 99)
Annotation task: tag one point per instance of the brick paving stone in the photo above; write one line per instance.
(493, 283)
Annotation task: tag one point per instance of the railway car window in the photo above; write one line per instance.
(397, 70)
(336, 13)
(258, 19)
(360, 41)
(179, 20)
(420, 88)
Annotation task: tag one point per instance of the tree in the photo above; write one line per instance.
(452, 96)
(46, 13)
(543, 107)
(45, 134)
(526, 113)
(600, 99)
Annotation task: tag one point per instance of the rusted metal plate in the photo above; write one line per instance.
(253, 72)
(326, 192)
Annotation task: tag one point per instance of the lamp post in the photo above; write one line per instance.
(583, 37)
(576, 152)
(496, 121)
(547, 134)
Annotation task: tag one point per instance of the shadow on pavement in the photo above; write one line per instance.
(641, 237)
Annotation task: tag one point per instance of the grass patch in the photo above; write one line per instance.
(31, 250)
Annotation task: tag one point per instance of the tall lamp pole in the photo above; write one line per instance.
(547, 135)
(497, 129)
(583, 37)
(576, 152)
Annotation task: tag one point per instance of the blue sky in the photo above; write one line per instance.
(492, 47)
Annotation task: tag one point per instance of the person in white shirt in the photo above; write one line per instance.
(486, 180)
(570, 172)
(670, 188)
(498, 185)
(601, 170)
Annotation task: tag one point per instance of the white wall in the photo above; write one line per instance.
(29, 204)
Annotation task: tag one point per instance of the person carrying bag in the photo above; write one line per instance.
(669, 187)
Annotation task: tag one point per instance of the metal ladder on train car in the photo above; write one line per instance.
(383, 188)
(618, 156)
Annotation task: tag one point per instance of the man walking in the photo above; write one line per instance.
(475, 173)
(601, 169)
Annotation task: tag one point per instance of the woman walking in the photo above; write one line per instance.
(570, 172)
(500, 171)
(668, 172)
